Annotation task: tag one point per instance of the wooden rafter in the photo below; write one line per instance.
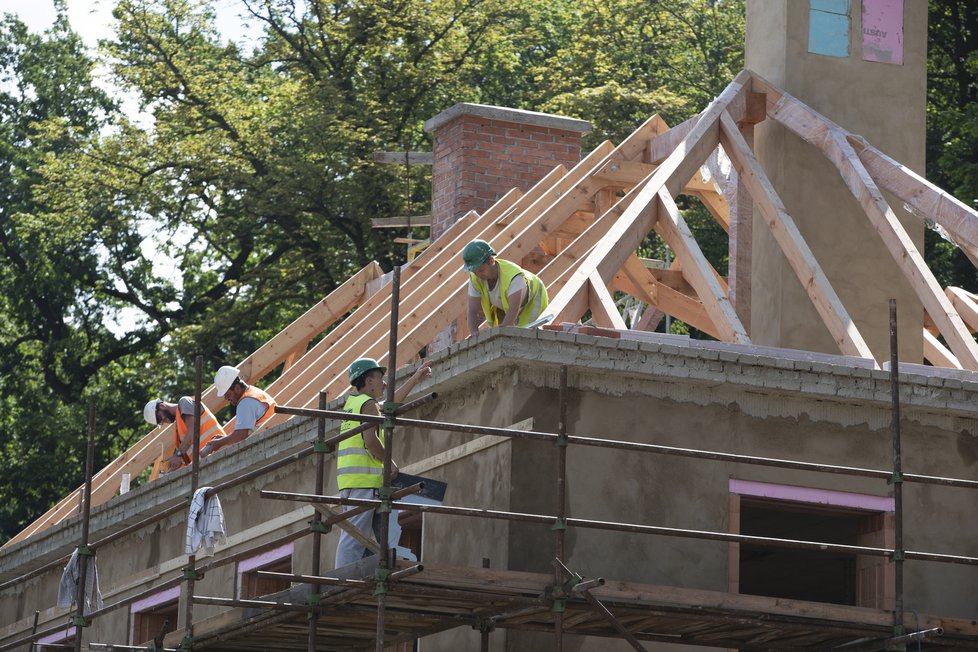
(637, 219)
(938, 354)
(800, 257)
(698, 271)
(604, 312)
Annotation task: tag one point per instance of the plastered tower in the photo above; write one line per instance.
(862, 64)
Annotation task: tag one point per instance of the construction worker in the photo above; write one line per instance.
(181, 414)
(360, 459)
(501, 292)
(253, 407)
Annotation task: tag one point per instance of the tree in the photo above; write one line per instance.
(952, 125)
(246, 193)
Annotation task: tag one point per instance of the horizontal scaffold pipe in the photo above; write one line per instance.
(647, 448)
(268, 468)
(623, 527)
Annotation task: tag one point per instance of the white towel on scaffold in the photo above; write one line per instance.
(205, 523)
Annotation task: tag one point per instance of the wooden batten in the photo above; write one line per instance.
(827, 303)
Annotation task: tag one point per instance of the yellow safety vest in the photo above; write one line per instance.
(260, 395)
(356, 468)
(536, 299)
(209, 428)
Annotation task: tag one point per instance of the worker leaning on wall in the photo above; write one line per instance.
(159, 413)
(501, 292)
(253, 408)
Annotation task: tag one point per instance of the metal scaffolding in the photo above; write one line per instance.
(567, 588)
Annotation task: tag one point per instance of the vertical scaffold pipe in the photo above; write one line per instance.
(84, 554)
(383, 567)
(317, 520)
(559, 530)
(190, 571)
(897, 479)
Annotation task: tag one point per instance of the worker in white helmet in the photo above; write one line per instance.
(181, 415)
(253, 407)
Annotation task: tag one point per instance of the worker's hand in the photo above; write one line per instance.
(394, 471)
(206, 450)
(173, 463)
(424, 370)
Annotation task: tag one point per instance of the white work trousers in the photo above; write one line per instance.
(349, 550)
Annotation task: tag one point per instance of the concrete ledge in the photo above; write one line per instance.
(503, 114)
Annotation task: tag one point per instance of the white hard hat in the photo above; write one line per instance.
(224, 378)
(149, 411)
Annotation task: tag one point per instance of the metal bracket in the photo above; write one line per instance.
(562, 440)
(897, 555)
(895, 478)
(187, 644)
(320, 527)
(382, 577)
(85, 551)
(81, 621)
(313, 599)
(559, 524)
(559, 606)
(484, 625)
(190, 573)
(384, 495)
(390, 410)
(321, 446)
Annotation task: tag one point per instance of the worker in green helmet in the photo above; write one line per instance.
(360, 459)
(500, 292)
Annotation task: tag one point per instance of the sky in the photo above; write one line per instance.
(92, 19)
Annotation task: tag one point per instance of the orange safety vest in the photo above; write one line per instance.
(264, 397)
(209, 427)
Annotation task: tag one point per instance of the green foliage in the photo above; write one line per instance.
(952, 124)
(245, 194)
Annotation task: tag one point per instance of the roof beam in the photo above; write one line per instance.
(827, 303)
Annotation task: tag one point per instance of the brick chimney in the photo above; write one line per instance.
(481, 152)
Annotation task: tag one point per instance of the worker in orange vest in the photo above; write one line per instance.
(254, 407)
(181, 414)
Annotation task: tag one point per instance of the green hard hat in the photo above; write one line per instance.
(362, 366)
(476, 253)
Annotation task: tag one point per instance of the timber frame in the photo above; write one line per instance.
(581, 228)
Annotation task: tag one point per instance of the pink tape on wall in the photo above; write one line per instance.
(883, 31)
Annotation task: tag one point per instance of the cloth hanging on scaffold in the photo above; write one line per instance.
(205, 523)
(68, 588)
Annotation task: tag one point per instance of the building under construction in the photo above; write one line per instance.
(803, 481)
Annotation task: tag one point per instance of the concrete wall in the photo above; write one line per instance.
(885, 103)
(669, 391)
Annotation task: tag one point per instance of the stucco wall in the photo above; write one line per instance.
(885, 103)
(672, 392)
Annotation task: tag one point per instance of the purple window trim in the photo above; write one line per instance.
(57, 637)
(266, 558)
(169, 595)
(812, 496)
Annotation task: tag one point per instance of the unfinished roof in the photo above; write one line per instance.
(588, 222)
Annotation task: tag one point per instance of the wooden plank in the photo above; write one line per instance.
(966, 305)
(669, 300)
(328, 511)
(637, 219)
(142, 454)
(958, 219)
(902, 248)
(717, 205)
(434, 277)
(698, 271)
(938, 354)
(399, 222)
(604, 312)
(404, 158)
(630, 173)
(800, 257)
